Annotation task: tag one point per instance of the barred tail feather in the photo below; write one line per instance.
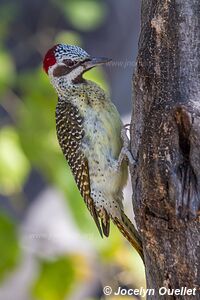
(105, 223)
(130, 233)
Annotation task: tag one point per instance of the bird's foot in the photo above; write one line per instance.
(125, 153)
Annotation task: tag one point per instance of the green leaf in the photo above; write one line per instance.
(68, 37)
(7, 71)
(9, 248)
(37, 119)
(85, 14)
(14, 166)
(55, 280)
(8, 12)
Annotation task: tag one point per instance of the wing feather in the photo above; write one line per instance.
(69, 126)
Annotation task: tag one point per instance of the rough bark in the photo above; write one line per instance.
(165, 139)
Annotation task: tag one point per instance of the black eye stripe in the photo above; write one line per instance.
(60, 71)
(70, 63)
(69, 66)
(73, 63)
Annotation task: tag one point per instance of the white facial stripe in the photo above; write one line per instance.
(71, 76)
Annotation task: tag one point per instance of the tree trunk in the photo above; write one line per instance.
(165, 140)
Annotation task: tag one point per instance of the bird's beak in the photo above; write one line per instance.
(94, 61)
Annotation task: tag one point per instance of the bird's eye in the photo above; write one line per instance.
(69, 63)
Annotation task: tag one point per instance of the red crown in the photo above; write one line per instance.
(49, 59)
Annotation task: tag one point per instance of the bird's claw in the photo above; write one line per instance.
(125, 153)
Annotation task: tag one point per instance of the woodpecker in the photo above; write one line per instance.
(90, 131)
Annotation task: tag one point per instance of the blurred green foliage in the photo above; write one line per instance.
(14, 165)
(9, 247)
(55, 280)
(7, 72)
(29, 141)
(68, 37)
(8, 12)
(84, 14)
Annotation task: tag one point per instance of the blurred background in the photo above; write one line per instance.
(49, 245)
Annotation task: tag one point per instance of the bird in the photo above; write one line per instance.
(92, 138)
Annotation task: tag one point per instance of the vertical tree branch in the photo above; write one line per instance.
(165, 139)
